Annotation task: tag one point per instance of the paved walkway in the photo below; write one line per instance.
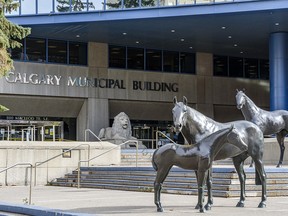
(114, 202)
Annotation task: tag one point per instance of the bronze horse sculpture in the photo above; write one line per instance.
(195, 126)
(197, 157)
(275, 122)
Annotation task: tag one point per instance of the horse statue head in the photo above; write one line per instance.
(179, 111)
(240, 99)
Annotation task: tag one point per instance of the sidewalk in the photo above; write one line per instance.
(114, 202)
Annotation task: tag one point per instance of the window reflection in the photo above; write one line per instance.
(135, 58)
(220, 65)
(153, 60)
(251, 68)
(77, 53)
(117, 56)
(170, 61)
(264, 69)
(187, 62)
(35, 49)
(18, 53)
(96, 5)
(235, 67)
(44, 6)
(57, 51)
(28, 7)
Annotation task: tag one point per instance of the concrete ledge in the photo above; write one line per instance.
(35, 210)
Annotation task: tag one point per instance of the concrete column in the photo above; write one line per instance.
(94, 115)
(278, 59)
(204, 70)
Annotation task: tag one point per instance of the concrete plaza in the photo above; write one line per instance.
(114, 202)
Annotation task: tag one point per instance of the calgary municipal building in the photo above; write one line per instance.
(86, 61)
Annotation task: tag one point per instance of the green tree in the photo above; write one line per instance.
(77, 5)
(10, 34)
(131, 3)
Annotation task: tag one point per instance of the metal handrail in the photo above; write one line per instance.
(90, 131)
(30, 187)
(49, 159)
(80, 161)
(159, 132)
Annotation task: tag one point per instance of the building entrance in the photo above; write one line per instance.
(25, 130)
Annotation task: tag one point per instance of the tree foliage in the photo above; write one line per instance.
(76, 5)
(10, 34)
(131, 3)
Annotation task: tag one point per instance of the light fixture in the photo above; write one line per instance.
(229, 36)
(124, 33)
(172, 30)
(182, 39)
(223, 27)
(190, 47)
(235, 45)
(77, 36)
(137, 42)
(277, 24)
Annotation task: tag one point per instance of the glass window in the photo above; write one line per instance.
(183, 2)
(57, 51)
(187, 62)
(135, 58)
(220, 67)
(264, 69)
(80, 5)
(153, 60)
(77, 53)
(235, 67)
(117, 56)
(251, 68)
(113, 4)
(28, 7)
(62, 6)
(45, 6)
(149, 3)
(170, 61)
(131, 3)
(95, 5)
(18, 52)
(36, 49)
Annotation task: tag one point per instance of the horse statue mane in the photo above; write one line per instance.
(121, 129)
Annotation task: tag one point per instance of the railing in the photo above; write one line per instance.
(91, 132)
(97, 156)
(31, 167)
(35, 7)
(68, 150)
(157, 137)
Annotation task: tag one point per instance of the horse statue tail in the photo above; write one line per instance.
(153, 162)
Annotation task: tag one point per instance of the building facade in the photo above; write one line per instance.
(62, 86)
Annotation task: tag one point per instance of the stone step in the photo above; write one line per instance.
(179, 181)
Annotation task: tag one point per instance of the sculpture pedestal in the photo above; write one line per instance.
(128, 145)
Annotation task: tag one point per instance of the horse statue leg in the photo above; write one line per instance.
(261, 175)
(157, 193)
(238, 162)
(160, 178)
(201, 178)
(209, 190)
(280, 139)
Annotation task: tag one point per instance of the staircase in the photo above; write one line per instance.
(179, 181)
(128, 157)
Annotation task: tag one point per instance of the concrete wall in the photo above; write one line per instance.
(33, 152)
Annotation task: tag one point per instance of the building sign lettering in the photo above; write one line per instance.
(56, 80)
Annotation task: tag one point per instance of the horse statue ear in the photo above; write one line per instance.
(174, 100)
(237, 90)
(185, 101)
(244, 90)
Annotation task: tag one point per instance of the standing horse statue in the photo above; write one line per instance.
(275, 122)
(197, 157)
(195, 126)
